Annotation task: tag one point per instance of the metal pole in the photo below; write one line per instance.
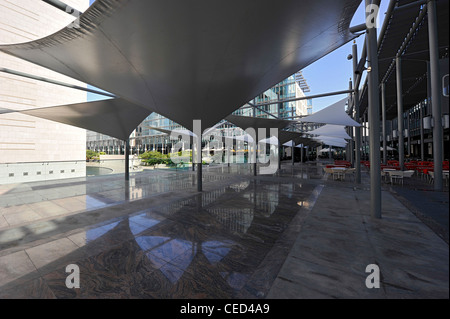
(400, 128)
(280, 149)
(193, 154)
(364, 136)
(348, 149)
(356, 107)
(64, 7)
(127, 159)
(422, 146)
(302, 98)
(199, 177)
(254, 146)
(197, 146)
(408, 141)
(383, 114)
(42, 79)
(301, 154)
(293, 150)
(435, 95)
(374, 120)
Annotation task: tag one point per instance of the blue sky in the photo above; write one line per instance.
(332, 72)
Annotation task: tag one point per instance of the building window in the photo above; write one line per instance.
(11, 174)
(62, 171)
(25, 173)
(73, 171)
(50, 172)
(38, 173)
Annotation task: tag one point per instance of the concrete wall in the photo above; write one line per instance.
(25, 139)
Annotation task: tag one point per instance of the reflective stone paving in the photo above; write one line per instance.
(156, 238)
(295, 234)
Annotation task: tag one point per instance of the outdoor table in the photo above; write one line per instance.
(386, 172)
(339, 172)
(396, 176)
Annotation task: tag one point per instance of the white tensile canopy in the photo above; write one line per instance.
(331, 130)
(333, 114)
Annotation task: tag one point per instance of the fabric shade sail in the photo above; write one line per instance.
(287, 138)
(169, 132)
(326, 150)
(245, 122)
(333, 114)
(295, 137)
(331, 130)
(334, 141)
(194, 59)
(113, 117)
(289, 143)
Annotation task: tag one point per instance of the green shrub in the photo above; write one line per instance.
(91, 155)
(152, 154)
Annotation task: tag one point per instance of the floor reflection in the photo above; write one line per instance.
(206, 245)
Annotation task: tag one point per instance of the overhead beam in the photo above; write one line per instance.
(39, 78)
(64, 7)
(259, 109)
(306, 97)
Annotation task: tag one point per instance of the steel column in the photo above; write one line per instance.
(422, 146)
(374, 120)
(408, 138)
(293, 150)
(400, 128)
(435, 95)
(356, 107)
(127, 159)
(383, 114)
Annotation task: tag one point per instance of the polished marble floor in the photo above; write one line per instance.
(155, 236)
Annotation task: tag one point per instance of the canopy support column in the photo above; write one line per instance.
(383, 114)
(374, 120)
(127, 159)
(356, 107)
(422, 146)
(301, 154)
(401, 142)
(293, 151)
(435, 95)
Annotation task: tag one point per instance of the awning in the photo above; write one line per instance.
(113, 117)
(334, 141)
(330, 130)
(333, 114)
(194, 59)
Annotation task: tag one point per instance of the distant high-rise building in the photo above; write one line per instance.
(33, 149)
